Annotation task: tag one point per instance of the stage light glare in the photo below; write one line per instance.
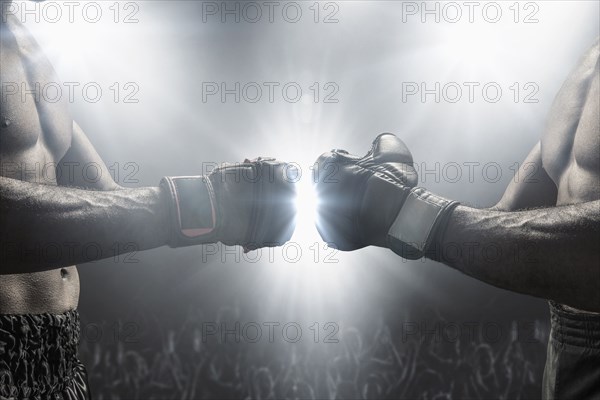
(306, 202)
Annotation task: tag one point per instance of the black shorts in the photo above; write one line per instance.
(573, 359)
(38, 357)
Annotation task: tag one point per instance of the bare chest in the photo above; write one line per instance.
(35, 124)
(571, 143)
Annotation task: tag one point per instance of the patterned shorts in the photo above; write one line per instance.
(38, 357)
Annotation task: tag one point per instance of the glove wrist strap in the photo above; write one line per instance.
(192, 210)
(419, 225)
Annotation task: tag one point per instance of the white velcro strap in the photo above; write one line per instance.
(414, 229)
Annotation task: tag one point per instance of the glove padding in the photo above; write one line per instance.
(250, 204)
(359, 197)
(373, 201)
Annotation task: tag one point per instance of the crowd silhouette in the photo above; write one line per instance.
(375, 363)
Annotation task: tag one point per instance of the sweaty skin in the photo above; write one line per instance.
(37, 209)
(38, 139)
(551, 211)
(31, 133)
(52, 217)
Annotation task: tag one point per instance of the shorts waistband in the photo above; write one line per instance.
(573, 328)
(38, 352)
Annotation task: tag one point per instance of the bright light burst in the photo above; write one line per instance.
(167, 56)
(306, 208)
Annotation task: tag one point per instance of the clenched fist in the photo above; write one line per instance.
(372, 200)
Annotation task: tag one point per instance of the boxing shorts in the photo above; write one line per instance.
(38, 357)
(572, 368)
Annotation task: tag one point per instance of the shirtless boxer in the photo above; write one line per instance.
(47, 222)
(540, 239)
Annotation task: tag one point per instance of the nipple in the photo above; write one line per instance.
(5, 122)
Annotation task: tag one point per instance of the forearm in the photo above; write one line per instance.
(550, 252)
(45, 227)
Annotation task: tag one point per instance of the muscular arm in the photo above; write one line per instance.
(86, 218)
(46, 227)
(548, 252)
(531, 187)
(83, 167)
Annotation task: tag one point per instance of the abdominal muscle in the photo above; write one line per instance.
(55, 291)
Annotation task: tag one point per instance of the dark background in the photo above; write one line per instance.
(408, 329)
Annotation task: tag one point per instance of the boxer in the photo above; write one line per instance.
(554, 218)
(249, 204)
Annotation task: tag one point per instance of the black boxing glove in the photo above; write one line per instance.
(372, 200)
(249, 204)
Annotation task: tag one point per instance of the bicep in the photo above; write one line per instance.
(531, 187)
(83, 167)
